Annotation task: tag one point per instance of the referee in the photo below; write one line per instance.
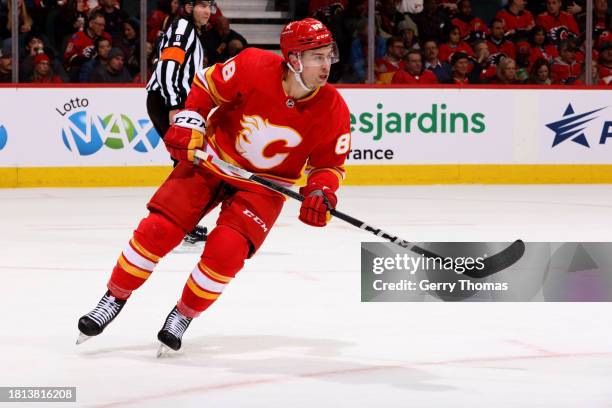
(180, 56)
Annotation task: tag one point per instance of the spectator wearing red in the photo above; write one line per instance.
(523, 52)
(517, 21)
(556, 22)
(488, 65)
(413, 71)
(453, 43)
(42, 71)
(565, 69)
(540, 73)
(497, 42)
(159, 21)
(80, 48)
(605, 60)
(461, 74)
(602, 19)
(540, 47)
(391, 62)
(441, 69)
(466, 22)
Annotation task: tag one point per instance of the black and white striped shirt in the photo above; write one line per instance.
(180, 56)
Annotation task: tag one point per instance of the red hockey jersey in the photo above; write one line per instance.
(81, 46)
(550, 22)
(261, 129)
(403, 77)
(523, 21)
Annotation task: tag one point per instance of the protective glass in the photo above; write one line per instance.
(320, 56)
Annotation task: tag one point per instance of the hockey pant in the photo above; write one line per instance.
(182, 200)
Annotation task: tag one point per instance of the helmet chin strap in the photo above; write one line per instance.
(298, 74)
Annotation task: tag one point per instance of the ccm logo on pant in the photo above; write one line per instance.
(257, 220)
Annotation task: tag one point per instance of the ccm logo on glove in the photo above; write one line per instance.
(185, 135)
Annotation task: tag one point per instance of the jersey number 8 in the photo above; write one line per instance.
(343, 144)
(228, 70)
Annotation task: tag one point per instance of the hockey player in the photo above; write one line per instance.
(275, 115)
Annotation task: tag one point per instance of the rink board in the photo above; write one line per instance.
(103, 137)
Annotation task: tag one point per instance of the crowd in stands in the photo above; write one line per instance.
(96, 41)
(525, 42)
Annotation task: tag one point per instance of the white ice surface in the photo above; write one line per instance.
(290, 330)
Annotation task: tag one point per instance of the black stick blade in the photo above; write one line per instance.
(499, 261)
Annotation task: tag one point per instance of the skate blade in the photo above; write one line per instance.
(82, 338)
(162, 350)
(187, 248)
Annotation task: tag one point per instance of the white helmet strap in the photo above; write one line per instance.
(298, 73)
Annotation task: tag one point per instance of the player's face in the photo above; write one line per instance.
(317, 64)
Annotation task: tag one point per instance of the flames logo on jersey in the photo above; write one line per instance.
(257, 134)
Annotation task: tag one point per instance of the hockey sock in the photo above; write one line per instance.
(224, 255)
(155, 237)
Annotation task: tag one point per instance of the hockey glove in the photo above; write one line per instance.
(318, 201)
(185, 135)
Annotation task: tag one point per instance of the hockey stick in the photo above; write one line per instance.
(492, 264)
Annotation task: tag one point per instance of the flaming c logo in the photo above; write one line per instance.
(257, 134)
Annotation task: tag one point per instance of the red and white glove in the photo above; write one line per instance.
(185, 135)
(319, 199)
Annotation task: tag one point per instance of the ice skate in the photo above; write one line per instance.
(199, 234)
(172, 332)
(193, 241)
(94, 322)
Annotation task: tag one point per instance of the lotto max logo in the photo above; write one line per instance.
(3, 137)
(86, 133)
